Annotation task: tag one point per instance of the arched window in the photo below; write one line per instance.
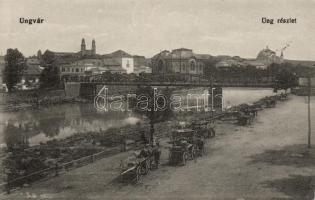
(160, 66)
(192, 65)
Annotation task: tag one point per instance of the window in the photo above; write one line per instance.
(76, 70)
(160, 66)
(62, 69)
(72, 70)
(192, 65)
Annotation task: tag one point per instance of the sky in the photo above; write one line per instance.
(146, 27)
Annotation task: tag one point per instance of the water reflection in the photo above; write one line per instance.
(61, 121)
(34, 126)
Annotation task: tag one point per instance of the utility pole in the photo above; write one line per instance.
(309, 112)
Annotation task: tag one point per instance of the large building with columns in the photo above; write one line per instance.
(183, 61)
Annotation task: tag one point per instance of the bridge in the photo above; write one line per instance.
(89, 85)
(163, 80)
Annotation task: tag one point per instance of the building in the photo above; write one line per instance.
(124, 59)
(113, 66)
(267, 56)
(256, 63)
(90, 66)
(83, 53)
(31, 74)
(141, 65)
(264, 58)
(229, 62)
(87, 52)
(143, 69)
(183, 61)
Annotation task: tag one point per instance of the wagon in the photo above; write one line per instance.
(183, 146)
(203, 129)
(187, 134)
(133, 168)
(270, 103)
(181, 151)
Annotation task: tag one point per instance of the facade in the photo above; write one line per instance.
(257, 64)
(113, 66)
(80, 67)
(182, 61)
(83, 53)
(86, 61)
(90, 66)
(143, 69)
(230, 62)
(124, 60)
(141, 65)
(267, 56)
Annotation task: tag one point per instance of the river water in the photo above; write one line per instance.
(60, 121)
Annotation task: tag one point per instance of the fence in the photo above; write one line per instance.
(54, 171)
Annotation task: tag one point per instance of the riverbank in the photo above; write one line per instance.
(265, 160)
(34, 99)
(47, 155)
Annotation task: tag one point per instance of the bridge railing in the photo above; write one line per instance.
(171, 78)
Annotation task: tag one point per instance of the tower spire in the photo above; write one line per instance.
(83, 46)
(93, 47)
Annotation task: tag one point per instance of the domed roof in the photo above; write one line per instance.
(265, 53)
(268, 56)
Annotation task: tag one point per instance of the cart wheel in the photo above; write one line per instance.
(138, 174)
(184, 158)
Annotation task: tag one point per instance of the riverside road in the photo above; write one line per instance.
(266, 160)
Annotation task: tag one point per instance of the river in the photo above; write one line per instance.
(61, 121)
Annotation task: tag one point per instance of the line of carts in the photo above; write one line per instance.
(185, 144)
(188, 143)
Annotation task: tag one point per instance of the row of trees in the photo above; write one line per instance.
(15, 66)
(285, 74)
(13, 69)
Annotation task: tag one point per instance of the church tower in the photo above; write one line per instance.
(39, 55)
(83, 47)
(93, 47)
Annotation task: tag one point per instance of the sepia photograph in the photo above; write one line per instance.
(157, 99)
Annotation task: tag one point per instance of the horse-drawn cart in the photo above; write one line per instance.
(183, 146)
(181, 151)
(133, 168)
(204, 128)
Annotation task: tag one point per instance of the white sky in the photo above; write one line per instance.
(145, 27)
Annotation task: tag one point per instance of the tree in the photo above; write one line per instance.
(49, 77)
(50, 74)
(150, 98)
(285, 79)
(14, 67)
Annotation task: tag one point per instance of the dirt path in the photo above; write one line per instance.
(267, 160)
